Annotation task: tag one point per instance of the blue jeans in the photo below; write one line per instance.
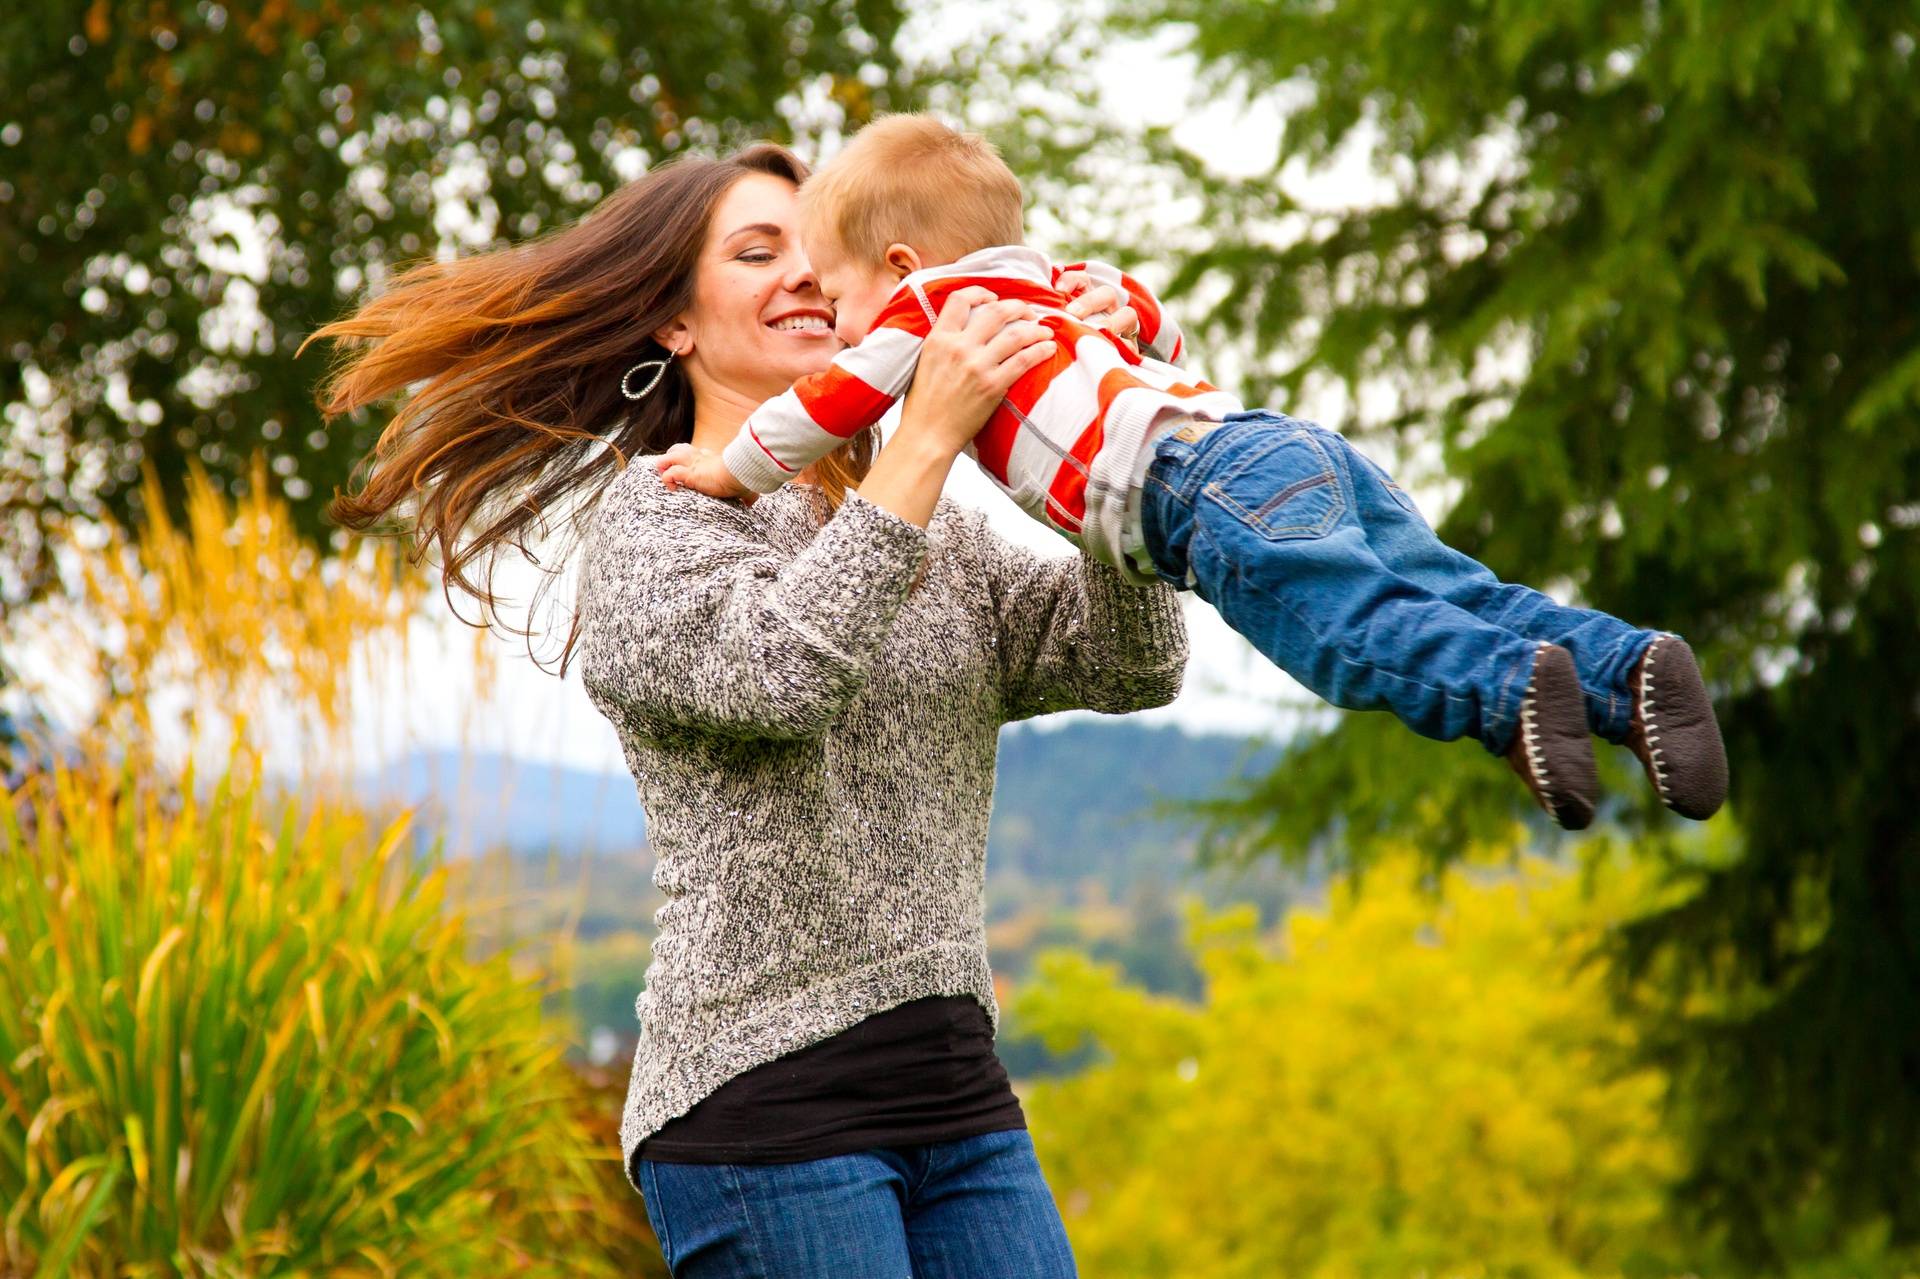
(1311, 551)
(972, 1208)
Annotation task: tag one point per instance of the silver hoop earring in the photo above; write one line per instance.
(659, 368)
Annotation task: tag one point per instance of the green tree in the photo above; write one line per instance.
(1646, 279)
(188, 189)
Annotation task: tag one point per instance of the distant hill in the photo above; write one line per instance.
(1080, 799)
(1077, 857)
(483, 802)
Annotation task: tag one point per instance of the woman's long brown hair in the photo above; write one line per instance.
(518, 355)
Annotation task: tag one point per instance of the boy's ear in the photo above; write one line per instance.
(902, 260)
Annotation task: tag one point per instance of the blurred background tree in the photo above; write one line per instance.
(189, 188)
(1388, 1086)
(1643, 283)
(1394, 1085)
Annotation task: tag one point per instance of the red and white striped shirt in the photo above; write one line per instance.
(1069, 443)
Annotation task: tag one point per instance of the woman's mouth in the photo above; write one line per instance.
(807, 324)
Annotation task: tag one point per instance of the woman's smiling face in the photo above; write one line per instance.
(758, 320)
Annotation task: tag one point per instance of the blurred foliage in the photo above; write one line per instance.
(244, 1036)
(229, 616)
(1642, 284)
(633, 1247)
(1402, 1084)
(243, 1043)
(1393, 1088)
(188, 188)
(587, 919)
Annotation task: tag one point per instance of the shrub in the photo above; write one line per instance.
(236, 1045)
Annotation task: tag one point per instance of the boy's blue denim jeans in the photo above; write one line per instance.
(972, 1208)
(1311, 551)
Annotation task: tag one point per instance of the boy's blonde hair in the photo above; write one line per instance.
(911, 179)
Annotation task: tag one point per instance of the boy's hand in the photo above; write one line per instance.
(1101, 305)
(702, 471)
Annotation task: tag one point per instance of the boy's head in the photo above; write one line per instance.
(908, 192)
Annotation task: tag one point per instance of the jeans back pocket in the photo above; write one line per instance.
(1281, 484)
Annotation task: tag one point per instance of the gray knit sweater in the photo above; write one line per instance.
(813, 740)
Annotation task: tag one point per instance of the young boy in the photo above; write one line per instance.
(1306, 546)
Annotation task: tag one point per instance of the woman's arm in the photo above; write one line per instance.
(690, 620)
(1074, 633)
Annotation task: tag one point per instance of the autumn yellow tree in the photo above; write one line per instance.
(1397, 1085)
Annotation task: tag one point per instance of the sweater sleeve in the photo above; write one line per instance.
(692, 621)
(821, 411)
(1073, 633)
(1159, 331)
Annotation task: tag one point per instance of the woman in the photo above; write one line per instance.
(808, 692)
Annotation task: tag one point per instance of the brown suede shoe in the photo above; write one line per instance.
(1674, 732)
(1551, 749)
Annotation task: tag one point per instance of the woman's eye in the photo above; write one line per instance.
(756, 255)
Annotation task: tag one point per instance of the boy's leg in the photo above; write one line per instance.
(1642, 688)
(1605, 649)
(1259, 517)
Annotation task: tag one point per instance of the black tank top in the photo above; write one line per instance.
(920, 1071)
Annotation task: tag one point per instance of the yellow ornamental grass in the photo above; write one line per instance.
(242, 1045)
(232, 617)
(1392, 1091)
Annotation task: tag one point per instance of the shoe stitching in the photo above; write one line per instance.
(1536, 758)
(1648, 733)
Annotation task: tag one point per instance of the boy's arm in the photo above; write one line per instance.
(823, 410)
(1159, 332)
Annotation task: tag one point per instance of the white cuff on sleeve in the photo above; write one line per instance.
(752, 465)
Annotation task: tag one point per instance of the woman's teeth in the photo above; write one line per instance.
(801, 322)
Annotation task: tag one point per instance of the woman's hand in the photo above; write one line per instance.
(1101, 305)
(977, 350)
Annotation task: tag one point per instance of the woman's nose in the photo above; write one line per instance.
(800, 279)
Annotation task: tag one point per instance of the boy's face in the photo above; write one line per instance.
(857, 292)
